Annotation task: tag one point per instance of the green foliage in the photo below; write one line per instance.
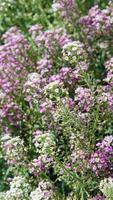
(83, 131)
(24, 13)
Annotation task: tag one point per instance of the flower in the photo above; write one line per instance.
(14, 149)
(101, 159)
(74, 52)
(84, 99)
(106, 186)
(67, 8)
(44, 191)
(98, 22)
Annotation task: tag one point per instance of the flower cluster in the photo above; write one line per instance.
(109, 69)
(35, 30)
(37, 166)
(8, 107)
(98, 197)
(66, 8)
(44, 142)
(74, 52)
(56, 108)
(98, 22)
(13, 55)
(14, 149)
(44, 191)
(84, 99)
(101, 159)
(106, 186)
(52, 39)
(19, 189)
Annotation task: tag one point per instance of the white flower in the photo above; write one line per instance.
(19, 190)
(55, 7)
(43, 192)
(74, 52)
(14, 149)
(106, 186)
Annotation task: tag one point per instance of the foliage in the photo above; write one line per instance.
(56, 100)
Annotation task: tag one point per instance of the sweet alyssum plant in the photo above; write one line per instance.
(56, 108)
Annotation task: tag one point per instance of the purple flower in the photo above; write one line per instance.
(67, 8)
(52, 40)
(84, 99)
(98, 197)
(101, 159)
(98, 22)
